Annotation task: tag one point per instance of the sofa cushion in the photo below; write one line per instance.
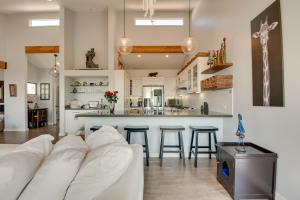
(101, 168)
(105, 135)
(19, 166)
(69, 142)
(57, 171)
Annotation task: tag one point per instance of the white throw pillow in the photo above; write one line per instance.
(18, 167)
(41, 144)
(101, 169)
(54, 176)
(105, 135)
(69, 142)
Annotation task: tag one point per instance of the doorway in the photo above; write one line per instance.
(42, 91)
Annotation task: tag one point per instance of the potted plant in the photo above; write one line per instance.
(112, 98)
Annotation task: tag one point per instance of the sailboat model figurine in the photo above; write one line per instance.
(241, 135)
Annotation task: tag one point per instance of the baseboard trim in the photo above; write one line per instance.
(16, 130)
(278, 196)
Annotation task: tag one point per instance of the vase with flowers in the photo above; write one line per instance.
(112, 98)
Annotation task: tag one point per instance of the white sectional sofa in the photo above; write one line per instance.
(129, 186)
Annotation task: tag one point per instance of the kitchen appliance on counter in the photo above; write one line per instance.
(153, 98)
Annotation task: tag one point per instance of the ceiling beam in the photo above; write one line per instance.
(3, 65)
(41, 49)
(157, 49)
(199, 54)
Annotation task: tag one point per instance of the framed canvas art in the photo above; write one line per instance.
(267, 57)
(13, 90)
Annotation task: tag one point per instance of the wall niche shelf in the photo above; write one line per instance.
(217, 68)
(104, 85)
(218, 82)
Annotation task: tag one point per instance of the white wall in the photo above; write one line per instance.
(2, 42)
(2, 37)
(274, 128)
(152, 35)
(90, 31)
(19, 35)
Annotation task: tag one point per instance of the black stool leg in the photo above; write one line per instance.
(147, 148)
(161, 144)
(215, 139)
(196, 151)
(182, 148)
(162, 148)
(191, 147)
(128, 137)
(209, 144)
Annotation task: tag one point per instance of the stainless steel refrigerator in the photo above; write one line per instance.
(153, 98)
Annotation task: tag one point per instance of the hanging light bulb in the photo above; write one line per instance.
(189, 45)
(125, 44)
(54, 71)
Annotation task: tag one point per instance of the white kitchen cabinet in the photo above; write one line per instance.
(194, 75)
(72, 124)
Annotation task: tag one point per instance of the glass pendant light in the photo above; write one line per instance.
(189, 45)
(125, 44)
(54, 71)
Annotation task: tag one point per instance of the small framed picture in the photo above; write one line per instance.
(13, 90)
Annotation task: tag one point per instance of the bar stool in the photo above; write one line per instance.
(96, 128)
(180, 146)
(196, 130)
(139, 129)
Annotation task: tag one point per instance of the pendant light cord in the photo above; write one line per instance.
(189, 18)
(124, 18)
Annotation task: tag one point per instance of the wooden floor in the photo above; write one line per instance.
(170, 182)
(21, 137)
(174, 182)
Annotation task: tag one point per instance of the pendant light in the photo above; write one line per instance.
(189, 45)
(125, 44)
(54, 71)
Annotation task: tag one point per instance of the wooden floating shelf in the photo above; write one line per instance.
(218, 82)
(217, 68)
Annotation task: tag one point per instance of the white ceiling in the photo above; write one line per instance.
(13, 6)
(154, 61)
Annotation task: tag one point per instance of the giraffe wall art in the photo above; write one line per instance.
(267, 60)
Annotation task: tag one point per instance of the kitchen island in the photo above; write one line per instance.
(184, 118)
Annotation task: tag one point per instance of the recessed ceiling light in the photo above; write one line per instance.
(139, 55)
(49, 0)
(167, 55)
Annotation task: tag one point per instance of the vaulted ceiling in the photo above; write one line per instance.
(13, 6)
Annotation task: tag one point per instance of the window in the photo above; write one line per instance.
(45, 91)
(31, 88)
(159, 22)
(43, 22)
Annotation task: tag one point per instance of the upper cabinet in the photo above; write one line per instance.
(193, 74)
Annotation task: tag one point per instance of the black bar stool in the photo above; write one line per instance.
(196, 130)
(96, 128)
(180, 145)
(139, 129)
